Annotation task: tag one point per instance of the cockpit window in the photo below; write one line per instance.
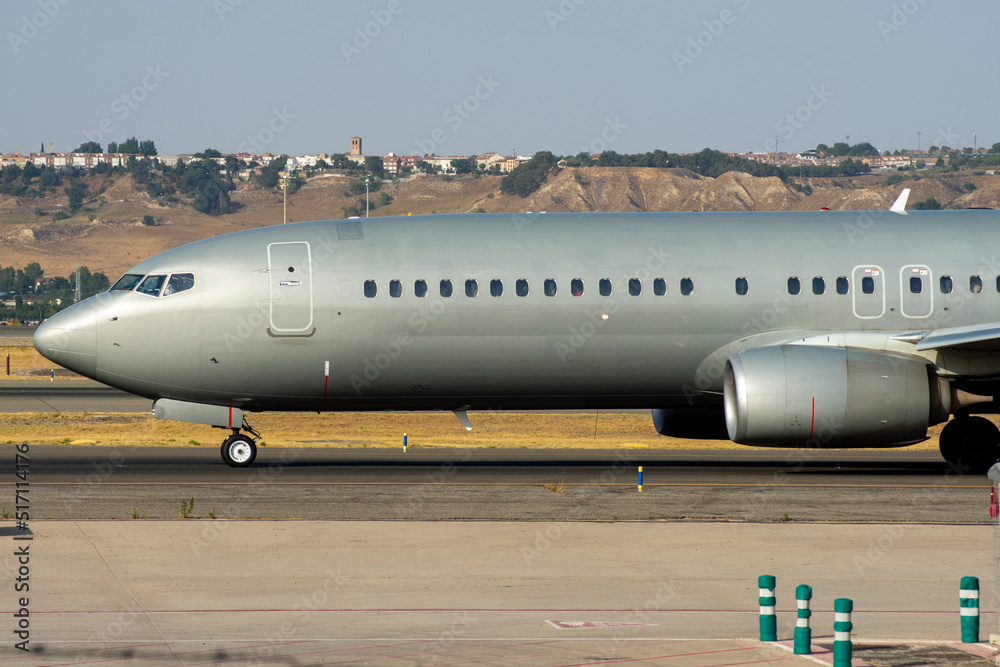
(151, 285)
(127, 282)
(179, 282)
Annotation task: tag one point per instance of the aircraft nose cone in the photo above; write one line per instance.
(69, 338)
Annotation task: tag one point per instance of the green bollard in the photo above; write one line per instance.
(803, 634)
(968, 599)
(842, 626)
(768, 621)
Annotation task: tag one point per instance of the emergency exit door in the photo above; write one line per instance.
(289, 270)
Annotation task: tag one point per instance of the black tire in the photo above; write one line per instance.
(970, 444)
(239, 451)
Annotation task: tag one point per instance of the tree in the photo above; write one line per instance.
(929, 204)
(112, 147)
(465, 166)
(76, 193)
(528, 177)
(384, 199)
(208, 153)
(33, 271)
(29, 171)
(130, 146)
(148, 220)
(839, 149)
(995, 148)
(862, 149)
(89, 147)
(147, 147)
(823, 148)
(373, 165)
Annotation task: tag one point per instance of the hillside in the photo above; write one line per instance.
(108, 234)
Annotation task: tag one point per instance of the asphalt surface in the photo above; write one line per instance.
(17, 332)
(67, 396)
(751, 485)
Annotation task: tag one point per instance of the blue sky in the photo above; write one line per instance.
(413, 76)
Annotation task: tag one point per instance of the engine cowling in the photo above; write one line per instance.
(691, 423)
(797, 395)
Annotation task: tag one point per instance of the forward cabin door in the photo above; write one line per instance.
(289, 270)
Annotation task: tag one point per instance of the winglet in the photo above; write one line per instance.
(900, 204)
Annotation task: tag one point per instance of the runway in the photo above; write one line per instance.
(750, 485)
(67, 396)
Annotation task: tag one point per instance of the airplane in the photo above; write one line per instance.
(808, 330)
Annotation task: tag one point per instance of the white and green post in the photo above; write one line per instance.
(842, 626)
(968, 599)
(768, 621)
(803, 634)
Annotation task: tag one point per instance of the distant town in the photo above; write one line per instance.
(489, 162)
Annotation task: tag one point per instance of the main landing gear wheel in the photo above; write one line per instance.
(239, 450)
(970, 444)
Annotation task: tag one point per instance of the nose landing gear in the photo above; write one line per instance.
(239, 450)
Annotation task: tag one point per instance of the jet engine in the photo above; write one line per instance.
(798, 395)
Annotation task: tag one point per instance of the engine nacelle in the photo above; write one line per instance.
(797, 395)
(691, 423)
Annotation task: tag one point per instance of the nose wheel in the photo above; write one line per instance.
(240, 449)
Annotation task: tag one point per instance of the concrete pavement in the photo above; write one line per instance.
(203, 591)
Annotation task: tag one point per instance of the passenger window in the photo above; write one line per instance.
(742, 286)
(868, 285)
(395, 289)
(659, 286)
(550, 287)
(687, 286)
(420, 288)
(634, 286)
(151, 285)
(128, 282)
(998, 283)
(179, 282)
(916, 285)
(946, 285)
(604, 286)
(576, 287)
(471, 288)
(521, 287)
(843, 287)
(496, 288)
(446, 288)
(819, 285)
(794, 285)
(371, 289)
(975, 285)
